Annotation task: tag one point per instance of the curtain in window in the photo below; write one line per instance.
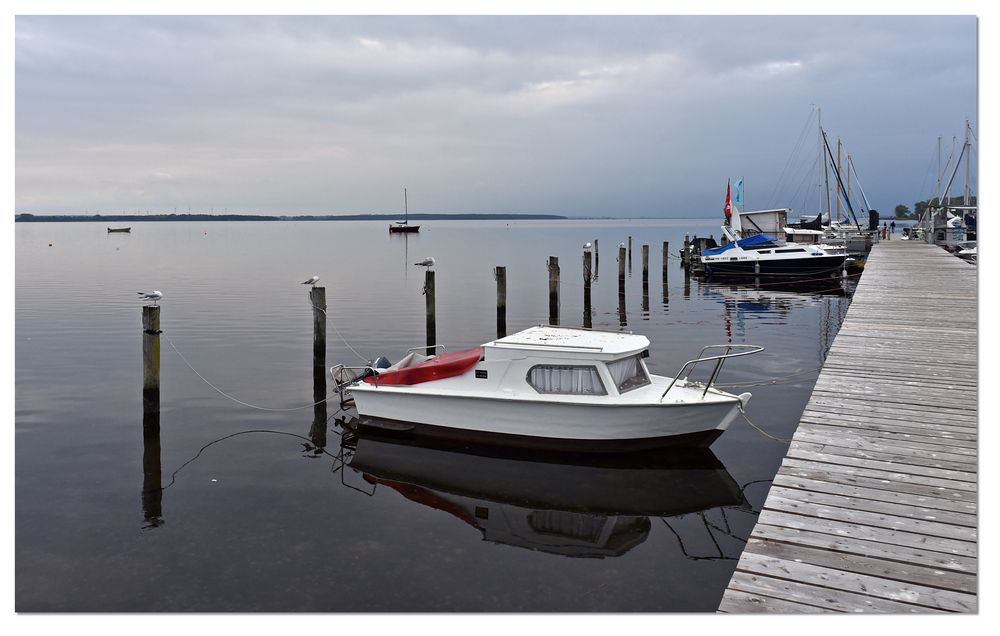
(622, 370)
(558, 379)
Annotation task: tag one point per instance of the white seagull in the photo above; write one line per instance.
(587, 245)
(427, 262)
(312, 281)
(153, 296)
(622, 244)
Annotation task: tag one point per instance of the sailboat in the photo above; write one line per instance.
(404, 225)
(945, 222)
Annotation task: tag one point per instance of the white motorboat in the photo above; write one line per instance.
(751, 251)
(551, 387)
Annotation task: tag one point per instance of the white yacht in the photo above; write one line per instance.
(752, 249)
(552, 387)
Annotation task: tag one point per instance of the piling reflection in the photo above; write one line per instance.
(572, 505)
(152, 471)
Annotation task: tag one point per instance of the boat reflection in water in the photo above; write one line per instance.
(574, 505)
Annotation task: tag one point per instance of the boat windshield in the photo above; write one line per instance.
(628, 373)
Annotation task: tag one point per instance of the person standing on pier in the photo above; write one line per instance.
(892, 228)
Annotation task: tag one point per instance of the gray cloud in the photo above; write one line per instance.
(577, 115)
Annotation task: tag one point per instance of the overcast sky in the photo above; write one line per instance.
(588, 116)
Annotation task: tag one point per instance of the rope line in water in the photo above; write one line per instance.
(776, 380)
(227, 396)
(762, 431)
(339, 335)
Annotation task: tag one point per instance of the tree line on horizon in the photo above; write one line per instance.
(903, 211)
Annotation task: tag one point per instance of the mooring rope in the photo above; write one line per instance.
(227, 396)
(339, 335)
(776, 380)
(762, 431)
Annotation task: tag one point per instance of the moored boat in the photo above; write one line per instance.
(550, 387)
(404, 227)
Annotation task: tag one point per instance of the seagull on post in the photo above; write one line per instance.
(427, 262)
(587, 245)
(153, 296)
(312, 281)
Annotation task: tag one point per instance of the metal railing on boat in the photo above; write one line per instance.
(749, 349)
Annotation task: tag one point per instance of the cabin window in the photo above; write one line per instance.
(797, 249)
(628, 374)
(571, 380)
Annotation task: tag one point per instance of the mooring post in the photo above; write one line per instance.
(317, 297)
(150, 358)
(630, 254)
(645, 265)
(621, 285)
(431, 319)
(553, 290)
(500, 273)
(645, 277)
(597, 259)
(587, 320)
(686, 253)
(666, 258)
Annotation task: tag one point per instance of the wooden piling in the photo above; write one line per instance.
(645, 278)
(587, 318)
(431, 318)
(151, 358)
(686, 254)
(317, 432)
(597, 260)
(500, 273)
(666, 259)
(621, 286)
(317, 297)
(553, 290)
(630, 254)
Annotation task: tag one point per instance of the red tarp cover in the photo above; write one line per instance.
(445, 365)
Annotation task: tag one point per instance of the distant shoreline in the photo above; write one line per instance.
(139, 218)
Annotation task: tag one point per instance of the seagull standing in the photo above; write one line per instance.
(312, 281)
(427, 262)
(153, 296)
(587, 245)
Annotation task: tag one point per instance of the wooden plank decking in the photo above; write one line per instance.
(874, 506)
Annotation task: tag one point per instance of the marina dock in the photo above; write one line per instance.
(874, 508)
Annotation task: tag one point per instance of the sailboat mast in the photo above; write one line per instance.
(826, 178)
(406, 208)
(965, 199)
(819, 146)
(838, 172)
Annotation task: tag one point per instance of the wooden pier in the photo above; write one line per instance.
(874, 507)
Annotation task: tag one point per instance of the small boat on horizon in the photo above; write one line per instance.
(119, 229)
(548, 387)
(404, 226)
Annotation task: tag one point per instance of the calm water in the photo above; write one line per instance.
(252, 517)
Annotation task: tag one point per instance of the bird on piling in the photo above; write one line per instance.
(153, 296)
(622, 244)
(427, 262)
(312, 281)
(587, 245)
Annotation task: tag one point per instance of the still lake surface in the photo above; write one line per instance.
(252, 517)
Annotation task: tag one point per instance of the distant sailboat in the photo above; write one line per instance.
(404, 226)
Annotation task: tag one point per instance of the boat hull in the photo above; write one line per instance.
(812, 266)
(403, 229)
(536, 424)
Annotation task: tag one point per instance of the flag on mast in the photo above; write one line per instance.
(739, 194)
(729, 205)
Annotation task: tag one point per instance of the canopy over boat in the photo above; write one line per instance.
(757, 240)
